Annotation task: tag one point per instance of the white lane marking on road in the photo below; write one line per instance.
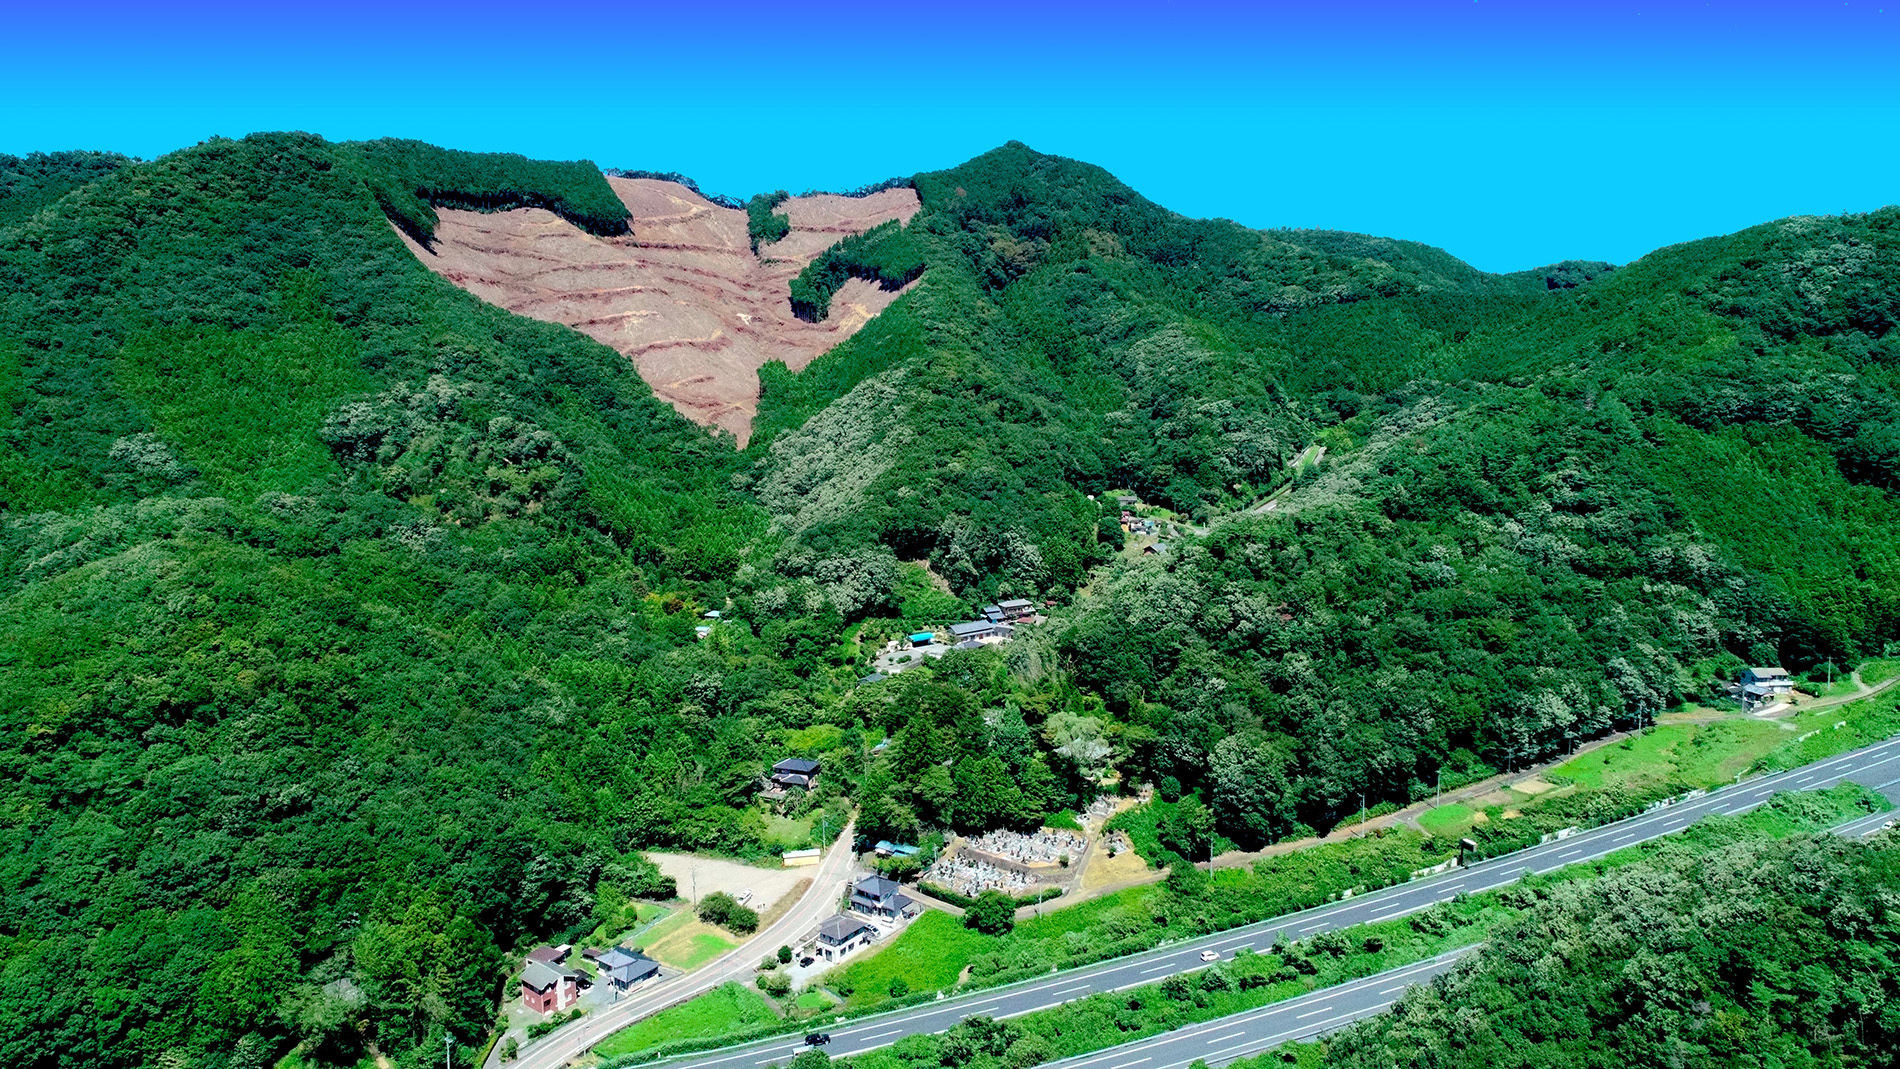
(1125, 1065)
(1393, 913)
(1310, 927)
(1158, 968)
(1224, 1039)
(881, 1035)
(1066, 990)
(1315, 1013)
(1567, 853)
(1625, 835)
(1389, 990)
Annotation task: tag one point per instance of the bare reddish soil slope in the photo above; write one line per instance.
(683, 297)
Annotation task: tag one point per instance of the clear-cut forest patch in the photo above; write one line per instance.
(683, 296)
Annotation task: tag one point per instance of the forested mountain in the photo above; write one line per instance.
(347, 620)
(348, 632)
(1552, 502)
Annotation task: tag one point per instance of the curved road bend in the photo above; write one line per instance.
(1876, 766)
(820, 901)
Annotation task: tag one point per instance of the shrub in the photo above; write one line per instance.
(784, 955)
(776, 984)
(723, 910)
(993, 913)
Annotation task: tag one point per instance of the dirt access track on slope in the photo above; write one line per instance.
(683, 297)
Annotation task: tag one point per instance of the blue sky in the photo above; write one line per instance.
(1510, 133)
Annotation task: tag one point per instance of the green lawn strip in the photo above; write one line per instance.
(1251, 980)
(722, 1011)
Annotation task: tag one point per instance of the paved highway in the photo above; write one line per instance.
(1876, 766)
(565, 1044)
(1243, 1035)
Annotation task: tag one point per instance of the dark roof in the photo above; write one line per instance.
(1015, 603)
(1768, 673)
(839, 928)
(617, 957)
(541, 976)
(902, 902)
(877, 886)
(974, 627)
(638, 969)
(546, 954)
(797, 765)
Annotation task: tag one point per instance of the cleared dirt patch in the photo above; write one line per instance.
(1105, 871)
(683, 297)
(700, 876)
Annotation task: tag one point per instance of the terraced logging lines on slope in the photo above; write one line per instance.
(684, 297)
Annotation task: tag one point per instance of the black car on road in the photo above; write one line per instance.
(817, 1039)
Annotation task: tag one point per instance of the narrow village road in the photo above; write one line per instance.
(818, 902)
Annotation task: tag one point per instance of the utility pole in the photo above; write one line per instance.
(448, 1044)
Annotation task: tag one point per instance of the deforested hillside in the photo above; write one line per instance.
(344, 619)
(687, 293)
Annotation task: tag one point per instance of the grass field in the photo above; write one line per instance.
(1446, 820)
(928, 955)
(684, 941)
(789, 833)
(718, 1012)
(1692, 755)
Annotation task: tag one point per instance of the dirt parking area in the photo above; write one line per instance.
(701, 876)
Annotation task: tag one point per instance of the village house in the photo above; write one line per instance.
(1760, 684)
(548, 955)
(549, 988)
(841, 934)
(795, 772)
(624, 968)
(879, 897)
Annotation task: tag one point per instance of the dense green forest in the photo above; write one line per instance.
(348, 638)
(1551, 503)
(1762, 953)
(348, 621)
